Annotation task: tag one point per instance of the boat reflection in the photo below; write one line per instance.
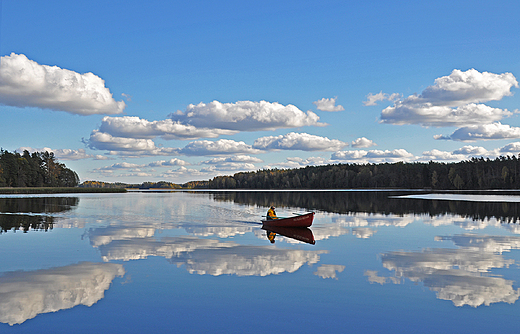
(298, 233)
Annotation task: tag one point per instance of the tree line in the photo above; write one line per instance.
(38, 169)
(474, 174)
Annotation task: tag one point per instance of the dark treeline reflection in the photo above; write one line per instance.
(25, 223)
(11, 219)
(38, 204)
(374, 202)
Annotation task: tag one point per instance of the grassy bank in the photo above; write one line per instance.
(59, 190)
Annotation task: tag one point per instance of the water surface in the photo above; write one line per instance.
(174, 262)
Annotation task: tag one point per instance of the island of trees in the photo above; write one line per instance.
(38, 169)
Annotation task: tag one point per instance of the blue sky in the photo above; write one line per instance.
(173, 90)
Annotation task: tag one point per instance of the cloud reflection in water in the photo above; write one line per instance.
(460, 275)
(24, 295)
(213, 257)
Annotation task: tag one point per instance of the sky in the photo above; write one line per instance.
(177, 91)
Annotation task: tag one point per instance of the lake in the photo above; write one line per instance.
(191, 262)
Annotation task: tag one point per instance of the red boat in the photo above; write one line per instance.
(304, 220)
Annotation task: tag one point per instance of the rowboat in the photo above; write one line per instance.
(304, 220)
(298, 233)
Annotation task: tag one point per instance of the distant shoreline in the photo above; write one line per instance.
(59, 190)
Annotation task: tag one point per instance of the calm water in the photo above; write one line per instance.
(161, 262)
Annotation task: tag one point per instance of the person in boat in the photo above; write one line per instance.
(271, 214)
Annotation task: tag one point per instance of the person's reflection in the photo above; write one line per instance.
(270, 236)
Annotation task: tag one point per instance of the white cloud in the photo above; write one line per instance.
(126, 146)
(328, 105)
(483, 132)
(460, 88)
(362, 143)
(65, 154)
(24, 295)
(229, 166)
(437, 155)
(120, 165)
(298, 141)
(454, 100)
(372, 99)
(233, 163)
(245, 116)
(169, 163)
(511, 148)
(463, 153)
(219, 147)
(235, 158)
(471, 150)
(135, 127)
(183, 172)
(373, 156)
(25, 83)
(297, 162)
(427, 114)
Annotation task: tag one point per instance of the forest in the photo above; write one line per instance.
(473, 174)
(37, 169)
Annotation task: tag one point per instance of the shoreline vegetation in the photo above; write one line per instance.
(477, 174)
(58, 190)
(41, 173)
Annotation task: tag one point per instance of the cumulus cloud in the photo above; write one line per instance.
(362, 143)
(454, 100)
(65, 154)
(24, 295)
(25, 83)
(232, 159)
(483, 132)
(410, 112)
(372, 99)
(169, 163)
(460, 88)
(328, 105)
(183, 172)
(463, 153)
(245, 116)
(471, 150)
(135, 127)
(297, 162)
(373, 156)
(436, 154)
(219, 147)
(298, 141)
(121, 165)
(126, 146)
(511, 148)
(233, 163)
